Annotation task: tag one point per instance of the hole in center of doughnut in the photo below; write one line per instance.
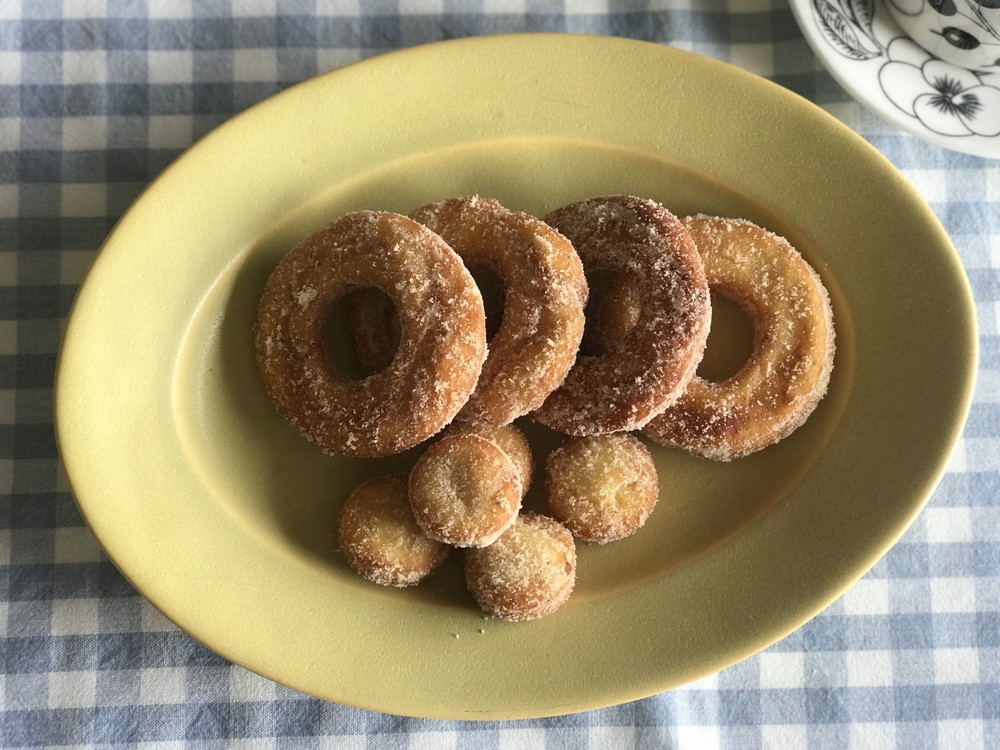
(613, 308)
(730, 340)
(361, 333)
(491, 286)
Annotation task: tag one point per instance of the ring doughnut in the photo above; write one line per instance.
(789, 370)
(648, 246)
(529, 572)
(545, 293)
(442, 340)
(380, 539)
(603, 487)
(464, 491)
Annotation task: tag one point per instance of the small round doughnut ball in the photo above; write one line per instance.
(380, 538)
(465, 491)
(602, 488)
(529, 572)
(511, 441)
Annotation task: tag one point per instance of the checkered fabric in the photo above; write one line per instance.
(97, 97)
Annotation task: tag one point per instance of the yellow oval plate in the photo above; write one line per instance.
(224, 516)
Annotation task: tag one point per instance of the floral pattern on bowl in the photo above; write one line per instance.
(964, 32)
(945, 98)
(865, 50)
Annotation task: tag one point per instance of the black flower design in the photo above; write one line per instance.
(947, 99)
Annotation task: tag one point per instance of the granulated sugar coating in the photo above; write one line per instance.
(644, 243)
(511, 441)
(464, 491)
(442, 335)
(380, 538)
(602, 488)
(545, 293)
(529, 572)
(787, 374)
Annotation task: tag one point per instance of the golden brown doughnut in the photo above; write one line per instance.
(788, 372)
(647, 245)
(542, 320)
(464, 491)
(380, 538)
(603, 487)
(529, 572)
(441, 350)
(511, 441)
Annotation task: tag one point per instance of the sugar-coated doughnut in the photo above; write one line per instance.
(647, 245)
(464, 491)
(545, 293)
(511, 441)
(380, 538)
(442, 335)
(603, 487)
(529, 572)
(789, 370)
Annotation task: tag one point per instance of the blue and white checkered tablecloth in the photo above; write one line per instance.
(98, 96)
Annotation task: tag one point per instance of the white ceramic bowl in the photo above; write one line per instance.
(964, 32)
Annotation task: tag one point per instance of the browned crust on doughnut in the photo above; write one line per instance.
(545, 292)
(380, 539)
(603, 487)
(464, 491)
(648, 245)
(789, 370)
(442, 346)
(510, 440)
(528, 573)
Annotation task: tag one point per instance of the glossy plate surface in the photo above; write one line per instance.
(224, 517)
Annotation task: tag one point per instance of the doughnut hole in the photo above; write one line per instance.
(465, 491)
(731, 339)
(529, 572)
(602, 488)
(492, 288)
(364, 324)
(365, 327)
(380, 539)
(612, 311)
